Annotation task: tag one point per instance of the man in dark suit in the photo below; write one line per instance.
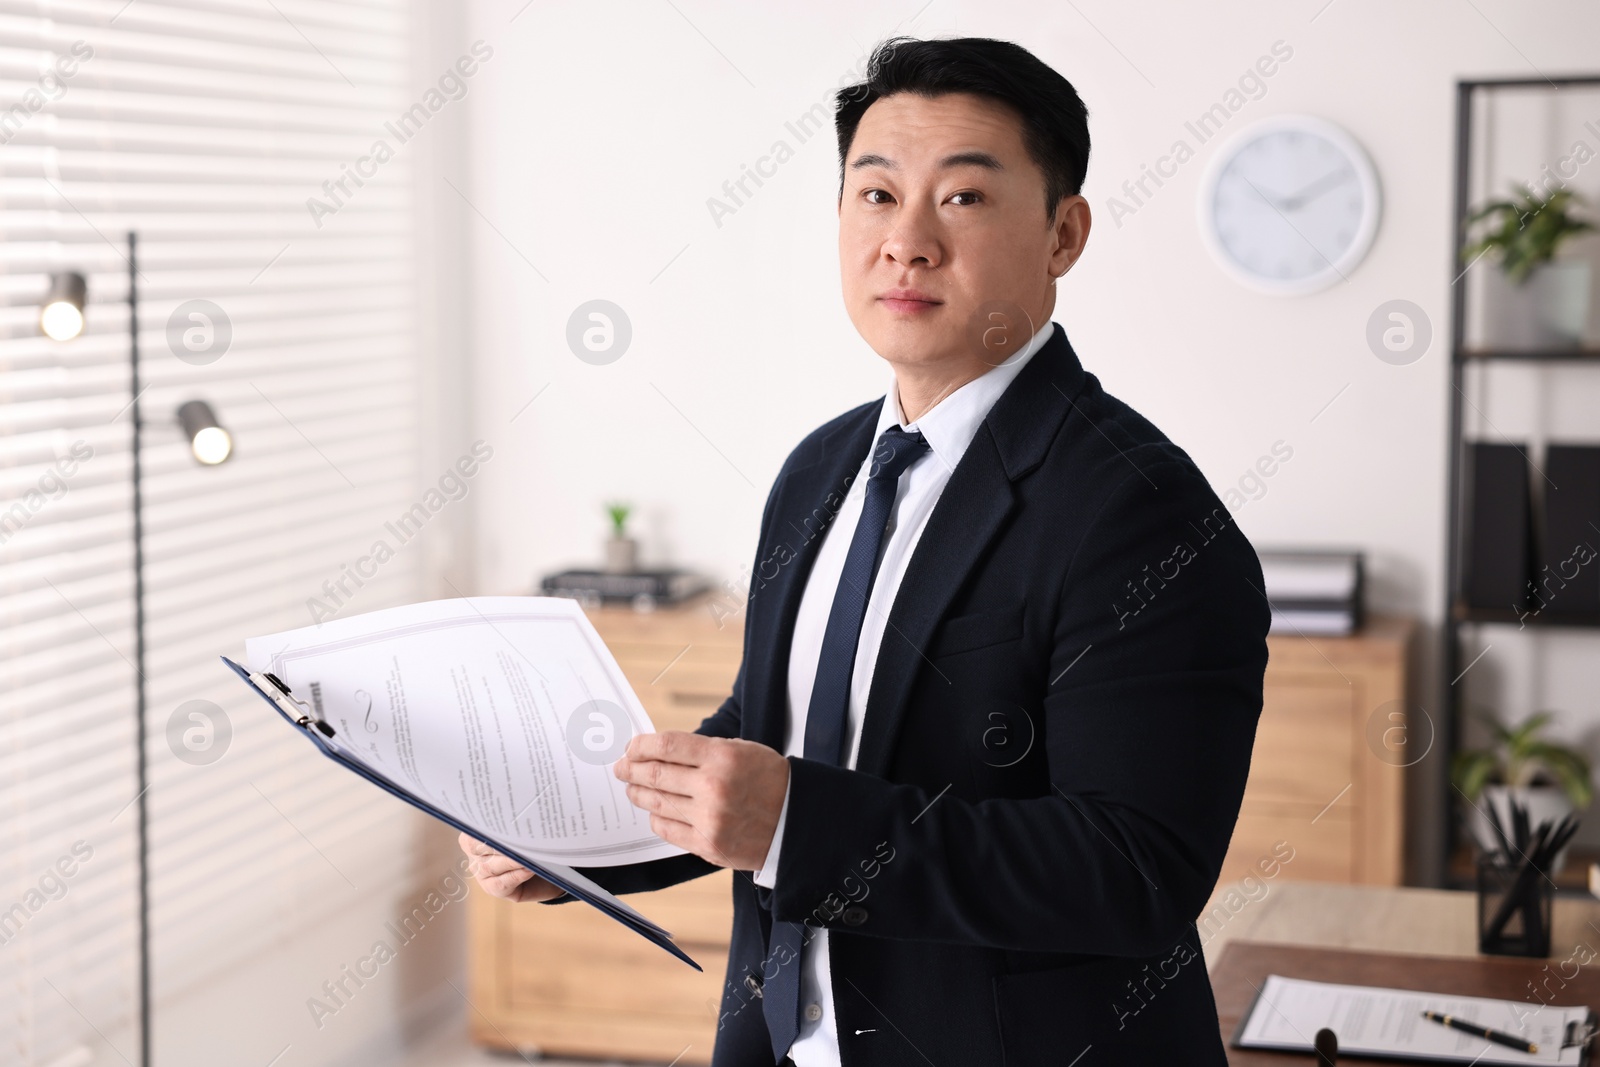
(1003, 645)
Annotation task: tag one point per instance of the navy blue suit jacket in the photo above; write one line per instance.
(1052, 758)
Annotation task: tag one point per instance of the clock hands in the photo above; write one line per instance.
(1300, 197)
(1328, 181)
(1273, 202)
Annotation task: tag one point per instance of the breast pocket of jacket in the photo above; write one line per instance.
(983, 629)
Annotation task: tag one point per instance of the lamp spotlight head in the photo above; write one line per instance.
(209, 442)
(61, 313)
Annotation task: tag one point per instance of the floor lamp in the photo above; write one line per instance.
(141, 760)
(62, 317)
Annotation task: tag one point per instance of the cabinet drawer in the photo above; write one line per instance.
(607, 1036)
(1323, 850)
(581, 966)
(1303, 743)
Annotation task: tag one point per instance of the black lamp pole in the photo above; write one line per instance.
(141, 769)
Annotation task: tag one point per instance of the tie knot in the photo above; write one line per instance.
(895, 451)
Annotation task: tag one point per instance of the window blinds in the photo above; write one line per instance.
(207, 126)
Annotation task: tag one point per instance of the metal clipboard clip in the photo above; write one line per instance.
(1579, 1034)
(292, 706)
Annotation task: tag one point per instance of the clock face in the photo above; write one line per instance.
(1289, 205)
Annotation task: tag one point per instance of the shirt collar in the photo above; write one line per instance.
(951, 424)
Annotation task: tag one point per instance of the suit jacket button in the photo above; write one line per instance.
(752, 983)
(855, 915)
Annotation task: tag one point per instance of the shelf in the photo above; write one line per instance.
(1574, 354)
(1471, 96)
(1546, 619)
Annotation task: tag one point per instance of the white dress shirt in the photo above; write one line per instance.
(949, 427)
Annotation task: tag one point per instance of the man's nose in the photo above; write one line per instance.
(914, 240)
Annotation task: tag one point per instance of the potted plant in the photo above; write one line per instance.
(1546, 778)
(622, 551)
(1536, 300)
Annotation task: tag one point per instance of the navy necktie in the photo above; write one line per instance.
(830, 696)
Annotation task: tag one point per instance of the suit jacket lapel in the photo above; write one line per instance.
(975, 504)
(801, 513)
(973, 508)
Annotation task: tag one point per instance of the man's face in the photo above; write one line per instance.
(947, 256)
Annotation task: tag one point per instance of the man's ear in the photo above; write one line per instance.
(1070, 224)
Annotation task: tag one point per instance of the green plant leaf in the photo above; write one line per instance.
(1493, 207)
(1568, 767)
(1522, 735)
(1525, 232)
(1471, 770)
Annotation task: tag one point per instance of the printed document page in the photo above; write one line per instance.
(1389, 1022)
(504, 712)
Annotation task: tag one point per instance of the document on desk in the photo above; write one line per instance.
(1373, 1021)
(501, 716)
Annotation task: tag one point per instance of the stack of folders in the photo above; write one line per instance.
(1313, 591)
(644, 589)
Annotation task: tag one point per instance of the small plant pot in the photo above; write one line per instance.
(1549, 310)
(622, 555)
(1563, 300)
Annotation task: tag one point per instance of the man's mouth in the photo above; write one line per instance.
(908, 301)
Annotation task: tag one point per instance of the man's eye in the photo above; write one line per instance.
(877, 196)
(964, 199)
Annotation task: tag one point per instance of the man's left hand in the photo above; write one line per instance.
(717, 797)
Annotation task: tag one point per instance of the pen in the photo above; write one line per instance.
(1481, 1031)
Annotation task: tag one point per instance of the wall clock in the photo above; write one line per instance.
(1289, 204)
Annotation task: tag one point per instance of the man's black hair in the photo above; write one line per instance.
(1055, 123)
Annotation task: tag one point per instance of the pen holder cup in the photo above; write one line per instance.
(1514, 909)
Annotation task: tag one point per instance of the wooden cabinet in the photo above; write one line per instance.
(1327, 777)
(567, 981)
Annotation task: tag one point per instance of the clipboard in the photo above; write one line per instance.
(1576, 1036)
(1245, 972)
(300, 715)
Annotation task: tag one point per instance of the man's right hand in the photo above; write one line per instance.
(505, 878)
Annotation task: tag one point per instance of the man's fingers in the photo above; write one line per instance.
(473, 847)
(671, 805)
(670, 746)
(497, 864)
(535, 890)
(506, 881)
(503, 877)
(674, 832)
(663, 777)
(500, 877)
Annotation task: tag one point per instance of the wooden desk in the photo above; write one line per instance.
(1422, 922)
(1436, 923)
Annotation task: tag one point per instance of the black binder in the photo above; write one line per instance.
(1569, 578)
(300, 716)
(1499, 534)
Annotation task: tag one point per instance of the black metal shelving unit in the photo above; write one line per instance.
(1457, 613)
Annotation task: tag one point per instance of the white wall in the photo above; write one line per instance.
(600, 131)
